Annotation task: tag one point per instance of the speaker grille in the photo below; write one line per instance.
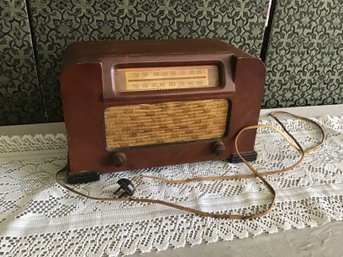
(162, 123)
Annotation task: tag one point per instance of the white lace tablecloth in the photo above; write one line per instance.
(39, 218)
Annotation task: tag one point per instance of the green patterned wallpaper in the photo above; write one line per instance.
(20, 97)
(305, 54)
(304, 57)
(58, 23)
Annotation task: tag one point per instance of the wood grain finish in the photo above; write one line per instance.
(88, 89)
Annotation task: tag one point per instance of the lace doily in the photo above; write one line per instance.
(39, 218)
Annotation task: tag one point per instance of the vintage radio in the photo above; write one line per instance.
(139, 104)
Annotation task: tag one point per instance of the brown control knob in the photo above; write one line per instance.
(218, 148)
(118, 159)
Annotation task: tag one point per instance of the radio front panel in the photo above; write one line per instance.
(130, 105)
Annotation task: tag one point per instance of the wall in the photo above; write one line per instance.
(305, 55)
(29, 70)
(20, 94)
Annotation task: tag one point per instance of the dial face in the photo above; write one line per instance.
(166, 78)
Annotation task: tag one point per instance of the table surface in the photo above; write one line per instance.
(325, 240)
(322, 241)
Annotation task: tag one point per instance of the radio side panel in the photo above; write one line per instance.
(81, 98)
(249, 80)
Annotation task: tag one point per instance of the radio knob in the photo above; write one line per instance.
(118, 159)
(218, 148)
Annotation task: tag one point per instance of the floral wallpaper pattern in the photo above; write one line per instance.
(58, 23)
(305, 55)
(20, 95)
